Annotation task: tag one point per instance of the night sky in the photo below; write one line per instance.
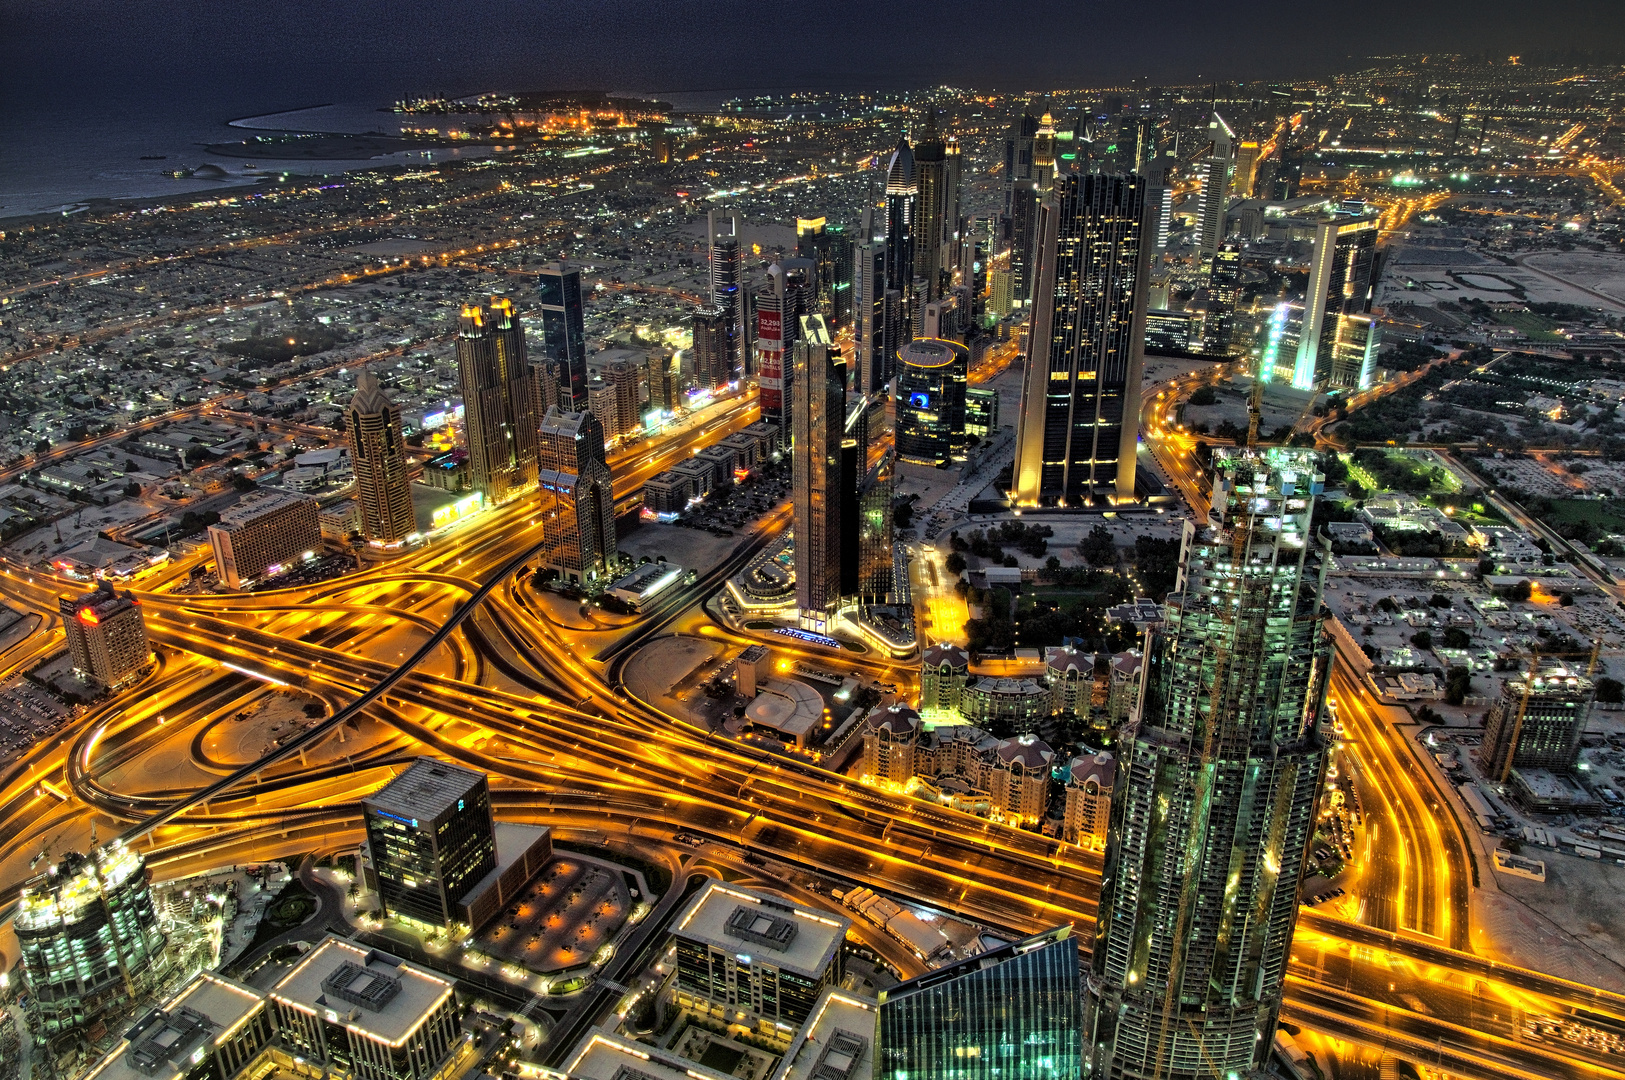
(322, 50)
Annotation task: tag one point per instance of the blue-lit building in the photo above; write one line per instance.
(432, 840)
(931, 379)
(1013, 1013)
(564, 332)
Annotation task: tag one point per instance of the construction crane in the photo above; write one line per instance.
(1528, 692)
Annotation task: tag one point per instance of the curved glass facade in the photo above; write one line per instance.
(931, 378)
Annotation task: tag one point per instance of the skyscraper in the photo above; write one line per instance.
(431, 837)
(1078, 427)
(780, 302)
(579, 526)
(874, 529)
(1215, 795)
(818, 413)
(722, 238)
(499, 400)
(931, 380)
(816, 243)
(383, 493)
(715, 350)
(931, 204)
(564, 331)
(1018, 167)
(1241, 181)
(1217, 170)
(1011, 1013)
(1029, 193)
(1224, 276)
(871, 360)
(1332, 351)
(902, 208)
(624, 379)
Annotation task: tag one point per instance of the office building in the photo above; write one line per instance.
(89, 938)
(213, 1029)
(432, 839)
(787, 295)
(931, 380)
(1536, 723)
(1021, 198)
(1223, 281)
(624, 380)
(715, 348)
(1159, 202)
(931, 226)
(1246, 169)
(1078, 428)
(499, 400)
(1216, 172)
(1342, 278)
(107, 636)
(1008, 1012)
(722, 240)
(1168, 331)
(872, 361)
(666, 495)
(383, 494)
(854, 472)
(836, 1042)
(981, 412)
(750, 958)
(564, 331)
(820, 243)
(819, 413)
(1190, 953)
(902, 208)
(876, 565)
(362, 1014)
(1028, 197)
(264, 534)
(578, 524)
(665, 385)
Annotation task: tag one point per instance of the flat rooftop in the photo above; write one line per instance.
(400, 995)
(601, 1056)
(767, 928)
(221, 1002)
(836, 1043)
(428, 788)
(786, 705)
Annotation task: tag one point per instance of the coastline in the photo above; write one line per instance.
(245, 121)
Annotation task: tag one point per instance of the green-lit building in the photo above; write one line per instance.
(1216, 789)
(1012, 1013)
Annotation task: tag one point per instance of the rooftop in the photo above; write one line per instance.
(370, 992)
(790, 937)
(428, 788)
(836, 1042)
(206, 1011)
(602, 1056)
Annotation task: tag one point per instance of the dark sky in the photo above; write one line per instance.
(368, 48)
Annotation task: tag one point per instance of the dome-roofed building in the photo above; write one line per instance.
(944, 670)
(1089, 799)
(1071, 675)
(890, 736)
(1017, 779)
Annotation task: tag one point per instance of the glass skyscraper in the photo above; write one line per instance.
(499, 401)
(432, 839)
(1012, 1013)
(1216, 789)
(564, 332)
(931, 379)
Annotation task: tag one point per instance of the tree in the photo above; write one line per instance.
(1098, 547)
(1522, 590)
(1204, 395)
(1422, 639)
(954, 563)
(1439, 600)
(1458, 681)
(1456, 638)
(1565, 599)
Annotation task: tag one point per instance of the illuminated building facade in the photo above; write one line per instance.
(876, 569)
(931, 380)
(1216, 789)
(1216, 170)
(722, 239)
(579, 523)
(902, 208)
(981, 412)
(432, 839)
(89, 938)
(869, 326)
(564, 332)
(383, 494)
(499, 400)
(1334, 351)
(1078, 428)
(1223, 281)
(1536, 724)
(1011, 1013)
(818, 243)
(1090, 778)
(788, 294)
(818, 412)
(714, 348)
(263, 535)
(107, 636)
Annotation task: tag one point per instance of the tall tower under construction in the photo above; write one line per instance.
(1216, 790)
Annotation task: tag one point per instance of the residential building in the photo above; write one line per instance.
(931, 226)
(1090, 778)
(1190, 955)
(1078, 429)
(564, 332)
(750, 958)
(264, 534)
(889, 738)
(362, 1014)
(1017, 780)
(1012, 1011)
(715, 349)
(578, 524)
(432, 838)
(107, 636)
(931, 380)
(870, 330)
(383, 492)
(902, 207)
(818, 408)
(1020, 704)
(89, 938)
(624, 380)
(499, 401)
(1223, 281)
(944, 671)
(1536, 723)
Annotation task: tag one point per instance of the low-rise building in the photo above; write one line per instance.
(667, 495)
(213, 1029)
(753, 959)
